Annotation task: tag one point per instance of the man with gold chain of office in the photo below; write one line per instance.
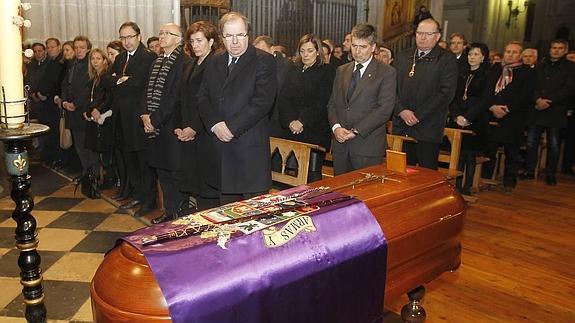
(426, 83)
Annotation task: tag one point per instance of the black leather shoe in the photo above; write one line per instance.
(551, 180)
(163, 218)
(129, 205)
(143, 211)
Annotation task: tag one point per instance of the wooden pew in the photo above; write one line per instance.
(451, 157)
(301, 152)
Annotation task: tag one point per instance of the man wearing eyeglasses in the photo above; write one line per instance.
(235, 98)
(426, 81)
(159, 117)
(129, 78)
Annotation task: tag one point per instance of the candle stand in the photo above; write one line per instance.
(26, 237)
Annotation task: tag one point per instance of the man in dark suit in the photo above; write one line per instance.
(426, 82)
(48, 88)
(555, 85)
(235, 98)
(130, 76)
(159, 118)
(514, 87)
(361, 102)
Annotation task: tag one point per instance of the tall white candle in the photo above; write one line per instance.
(11, 78)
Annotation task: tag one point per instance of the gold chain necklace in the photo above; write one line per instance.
(467, 83)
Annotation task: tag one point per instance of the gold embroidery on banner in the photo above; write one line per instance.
(20, 163)
(274, 238)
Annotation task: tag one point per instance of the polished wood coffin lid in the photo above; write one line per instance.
(420, 214)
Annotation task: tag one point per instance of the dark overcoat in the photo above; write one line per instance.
(129, 97)
(304, 98)
(243, 101)
(99, 137)
(76, 89)
(427, 93)
(556, 82)
(475, 108)
(165, 150)
(518, 97)
(193, 156)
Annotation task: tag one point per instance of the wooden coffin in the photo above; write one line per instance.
(420, 213)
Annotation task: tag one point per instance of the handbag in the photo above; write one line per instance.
(65, 134)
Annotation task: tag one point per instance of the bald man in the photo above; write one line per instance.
(159, 120)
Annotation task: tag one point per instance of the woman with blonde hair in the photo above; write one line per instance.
(99, 137)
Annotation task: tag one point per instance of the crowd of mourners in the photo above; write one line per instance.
(194, 109)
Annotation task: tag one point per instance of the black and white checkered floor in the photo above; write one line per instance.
(74, 234)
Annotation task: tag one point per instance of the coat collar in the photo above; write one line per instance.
(243, 61)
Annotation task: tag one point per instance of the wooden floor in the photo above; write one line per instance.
(518, 259)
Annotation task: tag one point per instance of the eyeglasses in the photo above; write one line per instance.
(129, 37)
(166, 33)
(426, 33)
(237, 36)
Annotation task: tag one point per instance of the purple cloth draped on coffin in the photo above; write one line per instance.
(335, 274)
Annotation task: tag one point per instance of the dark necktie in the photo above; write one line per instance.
(232, 65)
(126, 64)
(354, 80)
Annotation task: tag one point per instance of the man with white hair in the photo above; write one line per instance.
(159, 117)
(529, 57)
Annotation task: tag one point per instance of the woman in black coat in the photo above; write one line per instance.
(303, 101)
(470, 110)
(202, 39)
(99, 135)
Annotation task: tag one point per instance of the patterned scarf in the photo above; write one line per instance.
(506, 76)
(155, 90)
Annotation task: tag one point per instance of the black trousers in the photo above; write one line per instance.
(511, 162)
(49, 143)
(141, 178)
(467, 164)
(422, 153)
(88, 158)
(169, 182)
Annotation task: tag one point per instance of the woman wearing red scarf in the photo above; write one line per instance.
(511, 98)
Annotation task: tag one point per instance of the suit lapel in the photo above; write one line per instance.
(347, 78)
(241, 63)
(369, 73)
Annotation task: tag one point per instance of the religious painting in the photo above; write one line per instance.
(398, 16)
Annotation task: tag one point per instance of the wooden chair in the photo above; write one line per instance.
(301, 152)
(451, 157)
